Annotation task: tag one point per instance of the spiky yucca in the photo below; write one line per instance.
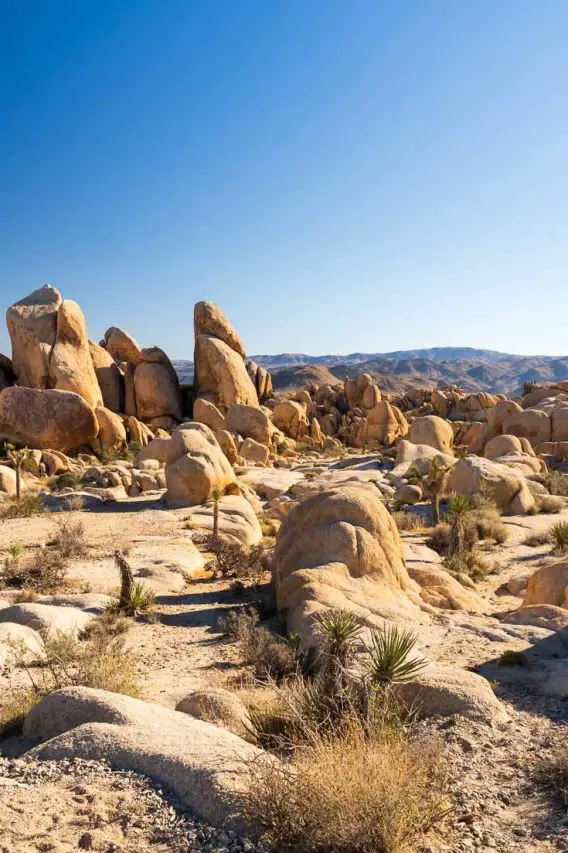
(389, 656)
(559, 535)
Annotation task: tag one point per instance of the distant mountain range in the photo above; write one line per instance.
(470, 368)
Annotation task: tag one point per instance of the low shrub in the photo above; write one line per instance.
(557, 483)
(550, 503)
(471, 563)
(408, 521)
(69, 539)
(67, 480)
(26, 507)
(233, 560)
(44, 571)
(269, 655)
(534, 540)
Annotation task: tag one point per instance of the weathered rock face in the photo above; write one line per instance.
(7, 375)
(262, 381)
(502, 445)
(530, 423)
(290, 417)
(109, 377)
(433, 431)
(219, 359)
(385, 423)
(508, 487)
(195, 465)
(341, 549)
(112, 433)
(156, 386)
(70, 364)
(32, 324)
(58, 420)
(207, 413)
(548, 585)
(120, 345)
(250, 422)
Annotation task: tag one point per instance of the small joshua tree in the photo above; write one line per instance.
(432, 483)
(216, 495)
(18, 457)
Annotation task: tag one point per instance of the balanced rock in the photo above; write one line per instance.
(195, 466)
(32, 324)
(70, 364)
(121, 345)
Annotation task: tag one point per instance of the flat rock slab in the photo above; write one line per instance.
(271, 482)
(46, 618)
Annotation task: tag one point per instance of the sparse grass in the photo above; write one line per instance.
(535, 540)
(233, 560)
(14, 709)
(480, 521)
(27, 506)
(512, 658)
(70, 538)
(364, 792)
(269, 655)
(471, 563)
(408, 521)
(558, 535)
(550, 503)
(557, 483)
(43, 571)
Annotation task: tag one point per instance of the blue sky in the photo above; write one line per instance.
(339, 175)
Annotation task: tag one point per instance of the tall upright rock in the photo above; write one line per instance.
(220, 363)
(70, 365)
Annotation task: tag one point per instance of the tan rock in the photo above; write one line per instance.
(195, 465)
(112, 433)
(548, 585)
(109, 377)
(382, 424)
(128, 368)
(250, 422)
(156, 387)
(433, 431)
(70, 364)
(253, 451)
(32, 324)
(530, 423)
(290, 417)
(156, 450)
(262, 381)
(7, 480)
(502, 445)
(560, 424)
(220, 373)
(121, 345)
(217, 706)
(508, 487)
(207, 413)
(237, 520)
(208, 319)
(497, 416)
(227, 445)
(138, 431)
(439, 589)
(59, 420)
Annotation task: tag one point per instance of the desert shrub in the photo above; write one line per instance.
(550, 503)
(27, 506)
(269, 655)
(558, 535)
(233, 560)
(69, 539)
(557, 483)
(471, 563)
(407, 521)
(512, 658)
(363, 792)
(14, 709)
(389, 656)
(43, 571)
(534, 540)
(67, 480)
(439, 538)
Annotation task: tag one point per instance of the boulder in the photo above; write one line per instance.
(434, 432)
(70, 364)
(341, 549)
(253, 451)
(205, 766)
(262, 381)
(546, 616)
(497, 416)
(502, 445)
(249, 422)
(439, 589)
(156, 387)
(157, 449)
(8, 480)
(475, 475)
(46, 618)
(112, 433)
(208, 319)
(19, 643)
(290, 417)
(237, 520)
(7, 375)
(32, 324)
(530, 423)
(441, 690)
(560, 424)
(227, 445)
(385, 423)
(59, 420)
(138, 431)
(109, 377)
(195, 466)
(121, 345)
(217, 706)
(547, 585)
(207, 413)
(417, 456)
(407, 495)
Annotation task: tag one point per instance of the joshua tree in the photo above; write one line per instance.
(126, 581)
(18, 457)
(216, 495)
(432, 483)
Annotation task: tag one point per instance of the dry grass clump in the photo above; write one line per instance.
(270, 655)
(97, 659)
(44, 571)
(25, 507)
(557, 483)
(471, 563)
(69, 540)
(364, 792)
(534, 540)
(407, 521)
(550, 503)
(233, 560)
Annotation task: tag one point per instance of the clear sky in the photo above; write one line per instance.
(339, 175)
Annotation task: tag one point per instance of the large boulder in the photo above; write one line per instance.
(205, 766)
(157, 449)
(217, 706)
(433, 431)
(417, 456)
(548, 585)
(341, 549)
(497, 416)
(8, 480)
(475, 475)
(290, 417)
(112, 432)
(205, 412)
(219, 359)
(32, 324)
(51, 419)
(237, 520)
(529, 423)
(109, 377)
(385, 423)
(121, 345)
(46, 618)
(560, 424)
(195, 466)
(156, 387)
(70, 364)
(250, 422)
(502, 445)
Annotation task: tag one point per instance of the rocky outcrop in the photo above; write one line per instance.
(109, 376)
(475, 475)
(120, 345)
(156, 387)
(261, 380)
(70, 364)
(290, 417)
(195, 466)
(50, 419)
(548, 585)
(32, 324)
(219, 359)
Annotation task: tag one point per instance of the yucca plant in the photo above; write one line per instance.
(389, 656)
(142, 599)
(339, 630)
(458, 513)
(432, 483)
(558, 533)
